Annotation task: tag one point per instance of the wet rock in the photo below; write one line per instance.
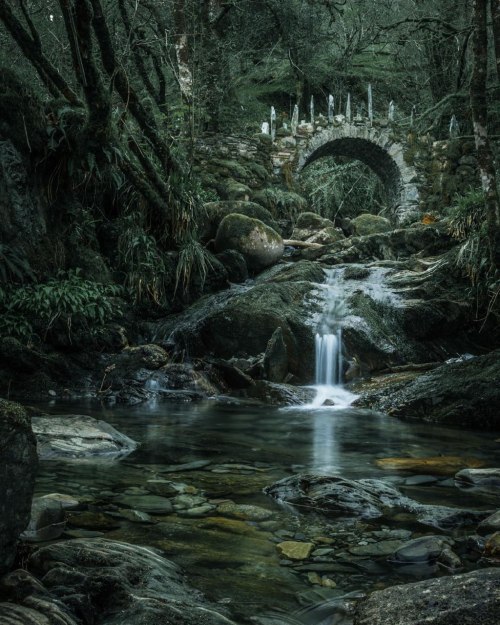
(454, 600)
(243, 512)
(280, 394)
(93, 521)
(103, 582)
(420, 480)
(260, 245)
(147, 356)
(465, 393)
(67, 502)
(421, 550)
(438, 465)
(78, 436)
(294, 550)
(312, 221)
(492, 546)
(235, 264)
(490, 524)
(151, 504)
(335, 496)
(238, 323)
(366, 224)
(479, 478)
(232, 374)
(377, 549)
(18, 465)
(276, 358)
(135, 516)
(47, 521)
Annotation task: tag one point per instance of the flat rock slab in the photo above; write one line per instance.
(78, 436)
(294, 550)
(469, 599)
(437, 465)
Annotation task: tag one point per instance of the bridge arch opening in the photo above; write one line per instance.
(376, 150)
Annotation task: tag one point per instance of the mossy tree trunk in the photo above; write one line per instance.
(480, 121)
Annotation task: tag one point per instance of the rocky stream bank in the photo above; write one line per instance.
(412, 350)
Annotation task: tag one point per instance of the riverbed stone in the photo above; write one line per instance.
(490, 524)
(492, 546)
(93, 521)
(438, 465)
(479, 478)
(78, 436)
(294, 550)
(151, 504)
(421, 550)
(18, 465)
(467, 599)
(216, 211)
(335, 496)
(47, 521)
(243, 512)
(377, 549)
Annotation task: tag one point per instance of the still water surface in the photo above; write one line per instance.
(247, 448)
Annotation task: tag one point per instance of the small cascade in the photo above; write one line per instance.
(329, 356)
(329, 359)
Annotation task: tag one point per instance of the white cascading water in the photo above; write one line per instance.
(329, 359)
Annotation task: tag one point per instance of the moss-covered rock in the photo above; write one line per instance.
(370, 224)
(312, 221)
(18, 463)
(260, 245)
(235, 264)
(216, 211)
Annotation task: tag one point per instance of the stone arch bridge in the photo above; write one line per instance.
(413, 169)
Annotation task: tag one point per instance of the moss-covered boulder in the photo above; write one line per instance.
(281, 203)
(370, 224)
(235, 264)
(216, 211)
(18, 464)
(312, 221)
(260, 245)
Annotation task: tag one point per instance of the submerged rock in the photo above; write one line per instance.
(455, 600)
(18, 465)
(47, 520)
(106, 583)
(335, 496)
(437, 465)
(78, 436)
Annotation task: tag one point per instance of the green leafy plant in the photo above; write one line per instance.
(146, 274)
(68, 299)
(194, 260)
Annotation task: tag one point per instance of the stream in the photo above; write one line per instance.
(224, 450)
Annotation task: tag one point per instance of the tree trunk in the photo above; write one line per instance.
(495, 17)
(182, 52)
(480, 121)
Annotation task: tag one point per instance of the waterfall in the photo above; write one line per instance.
(329, 359)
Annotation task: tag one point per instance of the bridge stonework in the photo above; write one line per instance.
(420, 175)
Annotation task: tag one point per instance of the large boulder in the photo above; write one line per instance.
(335, 496)
(18, 464)
(239, 323)
(370, 224)
(216, 211)
(464, 393)
(467, 599)
(78, 436)
(105, 583)
(260, 245)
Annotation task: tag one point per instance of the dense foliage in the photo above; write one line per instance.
(109, 97)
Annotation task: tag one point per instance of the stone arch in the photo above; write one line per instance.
(376, 148)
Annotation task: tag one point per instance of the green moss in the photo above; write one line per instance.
(14, 413)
